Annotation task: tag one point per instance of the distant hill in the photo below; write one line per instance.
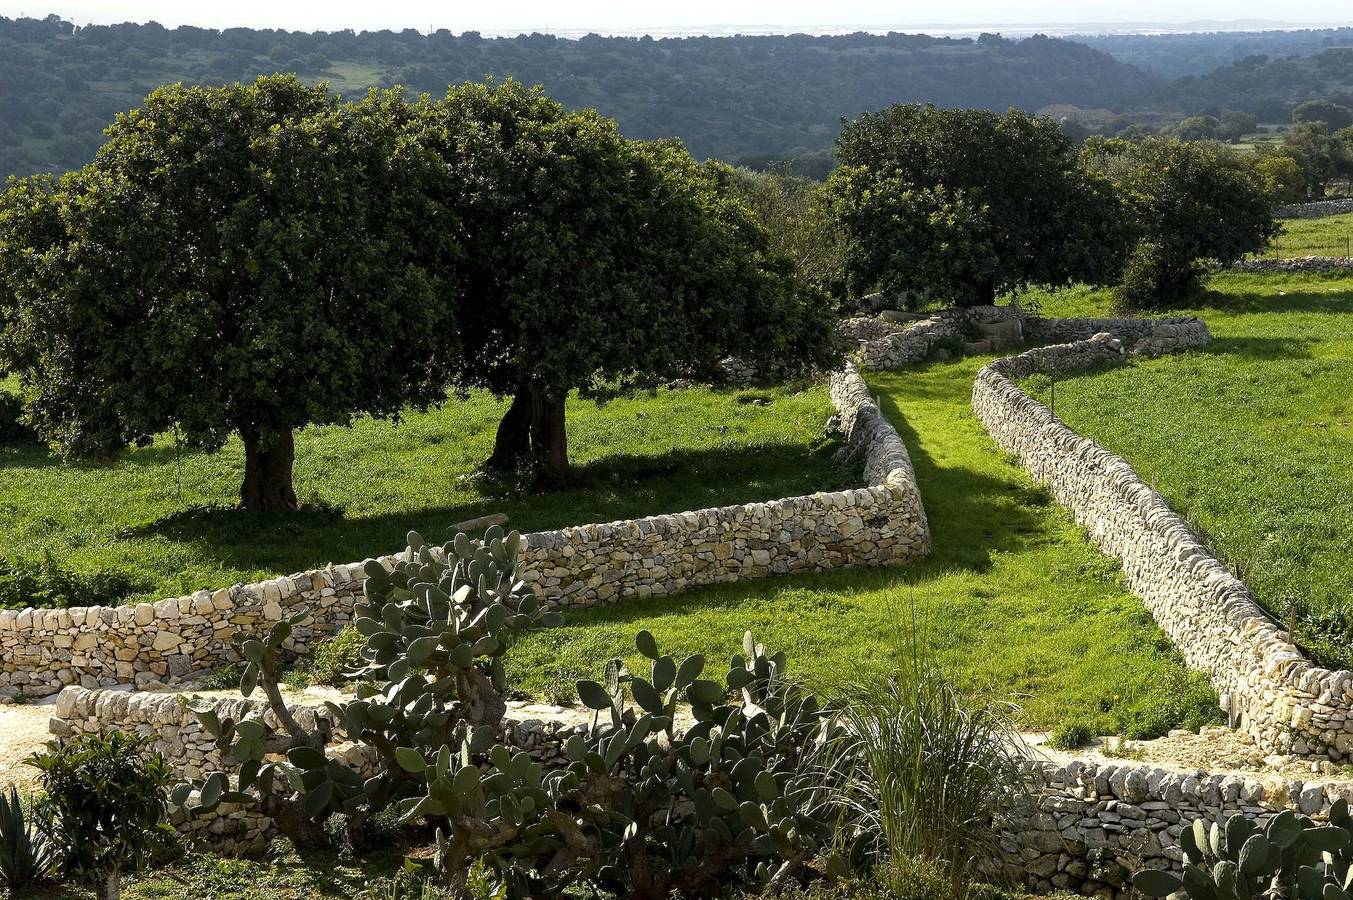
(1269, 88)
(1178, 55)
(726, 96)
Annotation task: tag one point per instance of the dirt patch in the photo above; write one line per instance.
(23, 730)
(1214, 749)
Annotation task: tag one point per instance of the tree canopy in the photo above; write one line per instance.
(1187, 203)
(234, 260)
(965, 204)
(255, 259)
(595, 263)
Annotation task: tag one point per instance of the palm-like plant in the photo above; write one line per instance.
(27, 855)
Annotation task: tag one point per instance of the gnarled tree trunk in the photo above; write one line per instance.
(512, 444)
(533, 433)
(268, 458)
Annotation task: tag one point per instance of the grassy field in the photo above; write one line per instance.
(166, 519)
(1252, 439)
(1013, 600)
(1330, 236)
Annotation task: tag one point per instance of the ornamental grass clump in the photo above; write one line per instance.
(936, 771)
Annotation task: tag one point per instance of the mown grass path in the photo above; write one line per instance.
(1013, 600)
(1251, 439)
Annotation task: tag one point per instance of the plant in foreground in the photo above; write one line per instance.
(27, 855)
(107, 797)
(936, 773)
(1291, 858)
(642, 809)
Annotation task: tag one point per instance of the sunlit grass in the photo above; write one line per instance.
(1251, 439)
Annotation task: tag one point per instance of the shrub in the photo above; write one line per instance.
(1071, 735)
(13, 430)
(47, 583)
(107, 798)
(330, 663)
(1150, 282)
(938, 770)
(27, 855)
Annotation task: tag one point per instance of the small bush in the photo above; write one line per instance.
(46, 583)
(329, 664)
(1151, 281)
(27, 855)
(13, 430)
(1071, 735)
(107, 797)
(221, 678)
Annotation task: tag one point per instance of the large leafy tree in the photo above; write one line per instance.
(599, 264)
(240, 260)
(963, 204)
(1186, 203)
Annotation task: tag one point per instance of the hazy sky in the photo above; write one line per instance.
(616, 15)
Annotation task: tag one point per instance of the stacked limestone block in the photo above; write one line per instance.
(881, 524)
(43, 650)
(1088, 826)
(912, 344)
(1317, 210)
(1269, 688)
(1296, 264)
(1150, 337)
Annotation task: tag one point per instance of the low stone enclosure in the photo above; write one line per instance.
(1319, 209)
(1269, 688)
(881, 523)
(1087, 824)
(1296, 264)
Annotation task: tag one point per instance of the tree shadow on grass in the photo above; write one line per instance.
(1269, 302)
(617, 487)
(1262, 348)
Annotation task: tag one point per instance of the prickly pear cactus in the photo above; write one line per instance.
(645, 809)
(1291, 858)
(435, 624)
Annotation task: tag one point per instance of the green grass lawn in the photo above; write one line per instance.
(1330, 236)
(1013, 600)
(1252, 439)
(167, 519)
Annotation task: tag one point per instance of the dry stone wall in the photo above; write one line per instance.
(1089, 825)
(1269, 688)
(882, 523)
(1318, 210)
(1296, 264)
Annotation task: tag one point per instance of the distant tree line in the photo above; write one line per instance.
(758, 100)
(726, 97)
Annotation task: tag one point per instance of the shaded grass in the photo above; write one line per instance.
(167, 516)
(1013, 600)
(1251, 439)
